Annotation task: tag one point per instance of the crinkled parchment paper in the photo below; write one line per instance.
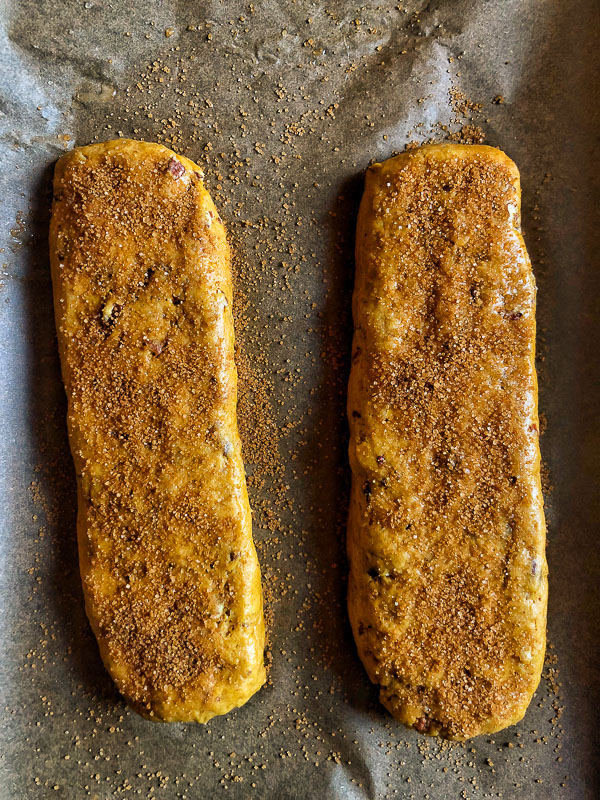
(285, 104)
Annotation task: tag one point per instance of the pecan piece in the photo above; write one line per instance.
(176, 168)
(422, 724)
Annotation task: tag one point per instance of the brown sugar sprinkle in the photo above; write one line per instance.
(148, 356)
(468, 134)
(453, 519)
(175, 99)
(547, 486)
(461, 104)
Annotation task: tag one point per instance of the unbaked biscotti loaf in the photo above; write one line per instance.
(143, 294)
(446, 534)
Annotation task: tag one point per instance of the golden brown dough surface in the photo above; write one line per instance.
(446, 534)
(143, 294)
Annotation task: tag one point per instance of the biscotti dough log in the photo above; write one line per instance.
(446, 534)
(143, 294)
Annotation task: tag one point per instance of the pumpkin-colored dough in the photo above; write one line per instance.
(446, 534)
(143, 294)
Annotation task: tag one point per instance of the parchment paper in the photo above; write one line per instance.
(286, 103)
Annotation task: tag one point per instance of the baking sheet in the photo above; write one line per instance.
(285, 103)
